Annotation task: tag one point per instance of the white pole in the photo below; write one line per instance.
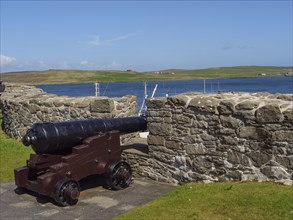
(145, 97)
(154, 90)
(97, 89)
(145, 90)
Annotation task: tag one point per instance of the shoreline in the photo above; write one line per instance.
(147, 80)
(49, 77)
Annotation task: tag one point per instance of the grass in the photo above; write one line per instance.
(248, 200)
(83, 76)
(13, 154)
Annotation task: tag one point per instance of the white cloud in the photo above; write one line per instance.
(115, 64)
(122, 37)
(84, 62)
(96, 41)
(5, 60)
(227, 46)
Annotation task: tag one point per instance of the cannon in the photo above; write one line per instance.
(67, 152)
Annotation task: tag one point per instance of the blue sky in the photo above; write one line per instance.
(144, 35)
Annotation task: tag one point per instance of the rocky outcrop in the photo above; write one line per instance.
(221, 137)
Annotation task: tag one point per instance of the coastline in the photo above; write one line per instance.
(49, 77)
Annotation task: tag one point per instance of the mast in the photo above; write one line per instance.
(97, 89)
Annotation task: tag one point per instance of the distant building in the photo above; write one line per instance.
(262, 74)
(290, 73)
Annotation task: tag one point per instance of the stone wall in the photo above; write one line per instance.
(220, 137)
(193, 136)
(24, 105)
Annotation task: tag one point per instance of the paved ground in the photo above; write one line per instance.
(95, 202)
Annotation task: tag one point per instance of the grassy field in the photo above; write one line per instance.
(13, 154)
(83, 76)
(220, 201)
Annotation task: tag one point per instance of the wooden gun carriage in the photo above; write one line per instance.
(67, 152)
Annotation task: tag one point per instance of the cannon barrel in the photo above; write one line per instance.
(56, 136)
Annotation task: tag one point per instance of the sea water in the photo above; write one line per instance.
(279, 84)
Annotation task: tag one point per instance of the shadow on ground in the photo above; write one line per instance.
(95, 201)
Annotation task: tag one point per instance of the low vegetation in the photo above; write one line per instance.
(83, 76)
(248, 200)
(13, 154)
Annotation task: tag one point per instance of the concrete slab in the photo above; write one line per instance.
(95, 201)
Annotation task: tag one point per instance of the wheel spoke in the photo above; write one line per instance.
(119, 175)
(67, 193)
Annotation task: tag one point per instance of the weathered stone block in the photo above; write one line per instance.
(195, 149)
(275, 172)
(101, 105)
(283, 136)
(247, 105)
(226, 107)
(157, 103)
(155, 113)
(204, 104)
(235, 175)
(159, 129)
(288, 114)
(155, 120)
(230, 122)
(58, 102)
(269, 113)
(255, 133)
(175, 145)
(84, 103)
(229, 140)
(74, 114)
(202, 164)
(286, 97)
(181, 119)
(157, 148)
(259, 158)
(236, 157)
(180, 131)
(190, 139)
(286, 161)
(33, 108)
(40, 115)
(208, 137)
(156, 140)
(178, 100)
(48, 103)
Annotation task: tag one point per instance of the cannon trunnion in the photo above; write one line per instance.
(56, 173)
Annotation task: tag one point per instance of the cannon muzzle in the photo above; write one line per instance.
(56, 136)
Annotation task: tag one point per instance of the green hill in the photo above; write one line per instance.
(83, 76)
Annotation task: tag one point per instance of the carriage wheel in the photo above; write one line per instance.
(119, 175)
(67, 192)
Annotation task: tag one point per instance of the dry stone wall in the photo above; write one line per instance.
(220, 137)
(24, 105)
(192, 136)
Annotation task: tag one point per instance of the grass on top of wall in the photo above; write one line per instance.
(13, 154)
(229, 200)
